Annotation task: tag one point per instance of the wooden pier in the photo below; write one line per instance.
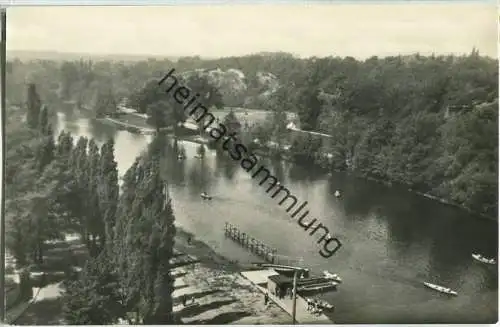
(130, 127)
(253, 245)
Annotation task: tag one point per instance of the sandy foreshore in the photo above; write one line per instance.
(220, 294)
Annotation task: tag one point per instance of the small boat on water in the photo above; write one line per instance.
(205, 196)
(331, 276)
(441, 289)
(318, 288)
(482, 259)
(337, 194)
(325, 305)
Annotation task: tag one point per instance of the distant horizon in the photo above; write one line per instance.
(176, 57)
(304, 30)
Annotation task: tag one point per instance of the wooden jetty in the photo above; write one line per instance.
(253, 245)
(130, 127)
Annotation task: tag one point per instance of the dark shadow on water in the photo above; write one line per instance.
(197, 309)
(304, 174)
(224, 318)
(100, 131)
(199, 177)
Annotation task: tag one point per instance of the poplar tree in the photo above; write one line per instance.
(92, 299)
(33, 105)
(157, 251)
(95, 230)
(64, 145)
(43, 121)
(108, 187)
(78, 202)
(127, 254)
(45, 150)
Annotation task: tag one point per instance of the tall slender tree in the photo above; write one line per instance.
(108, 187)
(33, 105)
(43, 121)
(158, 250)
(95, 230)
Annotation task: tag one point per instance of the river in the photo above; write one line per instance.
(393, 240)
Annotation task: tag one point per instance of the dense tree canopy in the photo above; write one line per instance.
(60, 187)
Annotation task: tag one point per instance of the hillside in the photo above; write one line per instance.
(237, 89)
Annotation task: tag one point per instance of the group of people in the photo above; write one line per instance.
(313, 306)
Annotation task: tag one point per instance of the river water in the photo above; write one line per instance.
(392, 240)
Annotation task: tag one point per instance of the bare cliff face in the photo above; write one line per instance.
(238, 89)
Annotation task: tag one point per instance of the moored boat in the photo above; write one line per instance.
(318, 287)
(441, 289)
(482, 259)
(205, 196)
(331, 276)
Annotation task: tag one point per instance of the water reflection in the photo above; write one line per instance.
(173, 169)
(393, 240)
(102, 132)
(199, 177)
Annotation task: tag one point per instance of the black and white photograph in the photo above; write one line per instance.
(266, 163)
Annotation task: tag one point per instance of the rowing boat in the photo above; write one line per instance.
(205, 196)
(320, 287)
(331, 276)
(441, 289)
(482, 259)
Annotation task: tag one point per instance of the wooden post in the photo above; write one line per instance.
(294, 304)
(3, 66)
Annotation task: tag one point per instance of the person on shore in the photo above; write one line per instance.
(266, 299)
(309, 304)
(190, 239)
(184, 300)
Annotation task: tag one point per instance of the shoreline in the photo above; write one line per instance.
(219, 292)
(283, 157)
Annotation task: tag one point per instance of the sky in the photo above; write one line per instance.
(358, 30)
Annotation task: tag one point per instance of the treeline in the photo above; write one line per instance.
(161, 107)
(66, 187)
(429, 123)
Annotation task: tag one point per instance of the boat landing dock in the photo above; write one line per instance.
(259, 278)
